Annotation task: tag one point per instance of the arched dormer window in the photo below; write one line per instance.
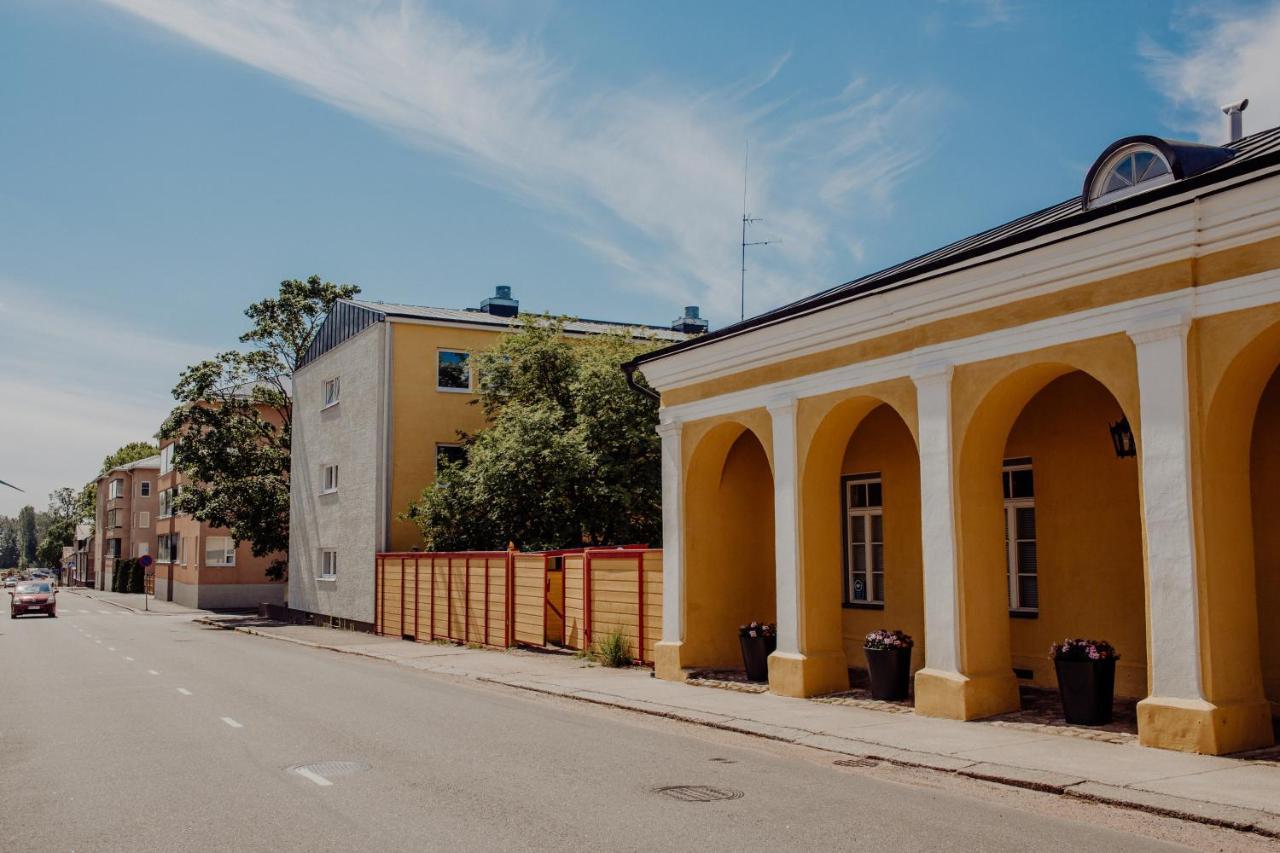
(1130, 170)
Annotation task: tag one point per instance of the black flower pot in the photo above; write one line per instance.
(755, 656)
(1087, 687)
(890, 672)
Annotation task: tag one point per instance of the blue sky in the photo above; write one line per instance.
(165, 162)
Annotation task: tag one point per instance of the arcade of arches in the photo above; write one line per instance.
(983, 509)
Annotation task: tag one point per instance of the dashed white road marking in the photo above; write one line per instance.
(312, 775)
(111, 648)
(106, 612)
(99, 642)
(129, 659)
(82, 611)
(184, 691)
(152, 672)
(232, 723)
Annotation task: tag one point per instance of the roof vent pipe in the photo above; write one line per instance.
(691, 323)
(1235, 119)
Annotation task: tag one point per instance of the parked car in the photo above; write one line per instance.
(33, 597)
(10, 583)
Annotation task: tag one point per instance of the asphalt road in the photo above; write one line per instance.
(124, 731)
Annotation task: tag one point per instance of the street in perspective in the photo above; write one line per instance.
(563, 426)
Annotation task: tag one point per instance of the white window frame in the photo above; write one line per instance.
(1142, 186)
(113, 519)
(144, 520)
(328, 479)
(144, 488)
(227, 551)
(863, 516)
(1012, 570)
(166, 459)
(164, 501)
(329, 400)
(141, 549)
(448, 390)
(328, 564)
(115, 489)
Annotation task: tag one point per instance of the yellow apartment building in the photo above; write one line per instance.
(379, 402)
(1065, 426)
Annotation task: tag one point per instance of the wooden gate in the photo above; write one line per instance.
(614, 589)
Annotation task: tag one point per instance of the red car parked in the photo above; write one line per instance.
(32, 597)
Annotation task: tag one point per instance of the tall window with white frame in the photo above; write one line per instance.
(219, 551)
(863, 500)
(328, 479)
(1020, 537)
(328, 564)
(332, 392)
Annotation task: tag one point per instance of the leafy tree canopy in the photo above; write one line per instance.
(570, 456)
(233, 425)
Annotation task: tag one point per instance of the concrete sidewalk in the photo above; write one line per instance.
(125, 600)
(1241, 792)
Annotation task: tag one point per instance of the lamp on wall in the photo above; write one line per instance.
(1122, 438)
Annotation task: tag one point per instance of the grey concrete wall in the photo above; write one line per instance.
(351, 436)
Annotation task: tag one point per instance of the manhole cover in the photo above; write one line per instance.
(857, 762)
(698, 793)
(330, 769)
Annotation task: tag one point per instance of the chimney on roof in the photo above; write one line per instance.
(501, 304)
(1235, 121)
(690, 323)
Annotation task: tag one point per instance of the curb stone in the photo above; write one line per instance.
(1228, 817)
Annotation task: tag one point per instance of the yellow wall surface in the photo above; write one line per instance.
(729, 578)
(883, 444)
(1088, 531)
(1265, 479)
(422, 416)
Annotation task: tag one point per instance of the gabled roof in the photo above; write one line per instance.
(1201, 168)
(349, 317)
(148, 462)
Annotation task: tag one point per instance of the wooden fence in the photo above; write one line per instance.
(499, 598)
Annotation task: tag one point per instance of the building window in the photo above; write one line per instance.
(864, 540)
(144, 520)
(113, 518)
(453, 370)
(169, 548)
(328, 479)
(328, 563)
(165, 501)
(142, 549)
(452, 454)
(115, 489)
(144, 489)
(113, 547)
(1129, 171)
(219, 551)
(332, 392)
(166, 459)
(1020, 536)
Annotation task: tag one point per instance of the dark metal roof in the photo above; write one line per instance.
(1199, 166)
(346, 320)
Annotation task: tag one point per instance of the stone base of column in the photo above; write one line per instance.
(1194, 725)
(942, 693)
(666, 661)
(807, 675)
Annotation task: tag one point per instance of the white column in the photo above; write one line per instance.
(1172, 599)
(937, 522)
(785, 525)
(672, 532)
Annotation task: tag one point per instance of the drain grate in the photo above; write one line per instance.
(331, 769)
(857, 762)
(698, 793)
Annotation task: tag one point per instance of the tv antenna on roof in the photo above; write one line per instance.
(747, 220)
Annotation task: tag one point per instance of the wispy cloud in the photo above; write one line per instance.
(1229, 54)
(647, 176)
(76, 386)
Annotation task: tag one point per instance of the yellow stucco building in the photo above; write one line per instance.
(1065, 426)
(379, 401)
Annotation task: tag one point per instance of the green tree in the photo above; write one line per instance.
(570, 456)
(233, 425)
(60, 529)
(8, 547)
(28, 539)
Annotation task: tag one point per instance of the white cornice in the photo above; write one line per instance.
(1150, 314)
